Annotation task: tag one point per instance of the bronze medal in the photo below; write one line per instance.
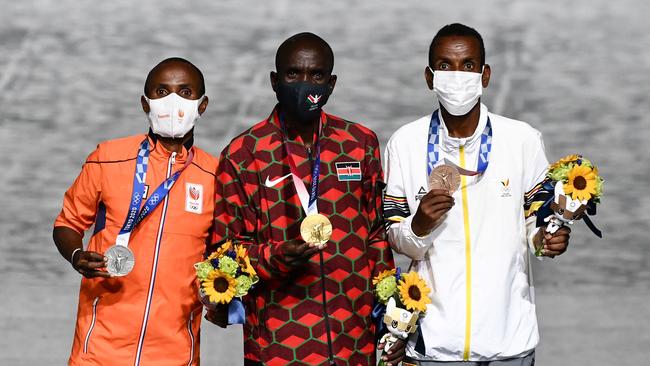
(444, 177)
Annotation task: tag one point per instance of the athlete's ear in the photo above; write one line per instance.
(428, 76)
(485, 79)
(145, 104)
(332, 83)
(274, 80)
(203, 105)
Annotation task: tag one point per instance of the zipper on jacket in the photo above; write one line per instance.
(152, 281)
(325, 314)
(189, 331)
(92, 324)
(468, 260)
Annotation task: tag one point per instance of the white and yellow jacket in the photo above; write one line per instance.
(476, 261)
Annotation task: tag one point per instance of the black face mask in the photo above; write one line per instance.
(302, 100)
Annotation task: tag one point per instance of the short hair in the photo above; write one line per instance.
(303, 37)
(181, 60)
(457, 29)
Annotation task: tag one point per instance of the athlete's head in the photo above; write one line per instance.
(457, 47)
(303, 78)
(457, 30)
(171, 97)
(174, 75)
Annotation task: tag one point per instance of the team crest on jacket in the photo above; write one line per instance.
(348, 171)
(194, 198)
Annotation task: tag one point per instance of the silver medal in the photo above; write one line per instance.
(120, 260)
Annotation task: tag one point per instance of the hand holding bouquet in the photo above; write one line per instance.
(404, 299)
(224, 278)
(570, 192)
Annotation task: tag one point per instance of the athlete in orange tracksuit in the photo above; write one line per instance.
(152, 315)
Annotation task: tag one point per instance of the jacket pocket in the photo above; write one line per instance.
(92, 325)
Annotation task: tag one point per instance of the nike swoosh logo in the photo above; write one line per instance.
(270, 183)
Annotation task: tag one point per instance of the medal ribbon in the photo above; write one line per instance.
(308, 200)
(136, 214)
(433, 148)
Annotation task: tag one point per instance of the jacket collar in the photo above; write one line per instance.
(158, 150)
(274, 119)
(154, 138)
(452, 143)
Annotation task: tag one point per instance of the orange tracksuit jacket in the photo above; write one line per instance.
(152, 315)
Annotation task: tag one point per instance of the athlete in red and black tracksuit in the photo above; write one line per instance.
(290, 310)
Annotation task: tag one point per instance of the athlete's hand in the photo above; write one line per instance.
(395, 354)
(295, 253)
(89, 264)
(432, 207)
(554, 244)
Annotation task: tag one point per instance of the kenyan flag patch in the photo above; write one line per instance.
(348, 171)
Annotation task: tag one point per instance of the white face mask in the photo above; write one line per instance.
(457, 91)
(172, 116)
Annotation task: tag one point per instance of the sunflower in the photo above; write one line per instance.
(244, 261)
(241, 251)
(219, 287)
(382, 275)
(221, 250)
(414, 292)
(565, 160)
(582, 183)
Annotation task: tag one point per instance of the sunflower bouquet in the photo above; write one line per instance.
(403, 299)
(224, 277)
(571, 190)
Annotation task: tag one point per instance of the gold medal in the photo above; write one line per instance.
(444, 177)
(316, 230)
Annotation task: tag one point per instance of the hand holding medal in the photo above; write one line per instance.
(433, 206)
(316, 230)
(444, 180)
(89, 264)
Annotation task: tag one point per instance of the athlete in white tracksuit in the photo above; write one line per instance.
(476, 257)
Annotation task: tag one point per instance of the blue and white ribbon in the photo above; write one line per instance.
(433, 148)
(136, 214)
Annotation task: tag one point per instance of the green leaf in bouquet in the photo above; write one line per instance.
(386, 288)
(203, 269)
(244, 284)
(228, 265)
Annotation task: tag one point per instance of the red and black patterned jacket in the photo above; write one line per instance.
(289, 313)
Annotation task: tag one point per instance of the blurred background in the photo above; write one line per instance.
(71, 74)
